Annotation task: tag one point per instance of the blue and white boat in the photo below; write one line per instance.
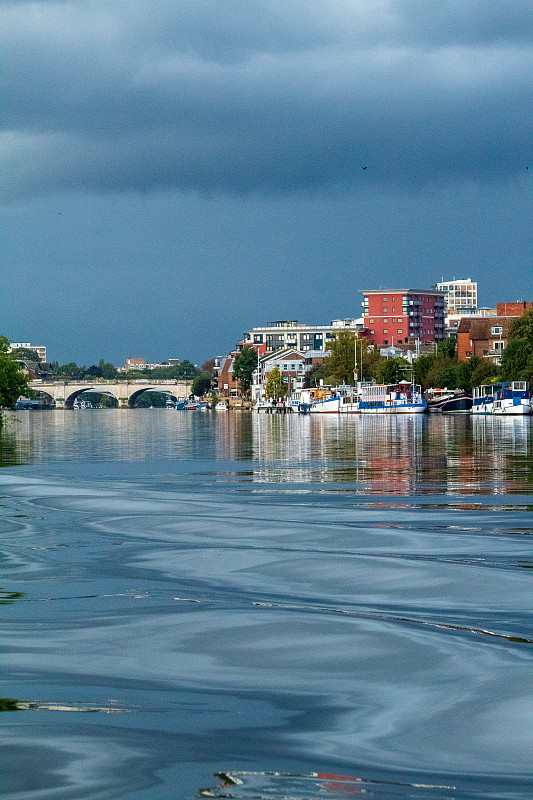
(511, 397)
(397, 398)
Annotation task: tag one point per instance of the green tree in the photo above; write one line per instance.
(108, 371)
(340, 363)
(24, 354)
(275, 385)
(151, 400)
(201, 384)
(517, 357)
(517, 361)
(522, 328)
(70, 370)
(393, 370)
(318, 373)
(485, 372)
(422, 366)
(244, 365)
(447, 348)
(13, 382)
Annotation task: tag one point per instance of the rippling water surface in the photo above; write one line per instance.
(307, 607)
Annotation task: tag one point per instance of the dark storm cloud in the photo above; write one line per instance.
(268, 96)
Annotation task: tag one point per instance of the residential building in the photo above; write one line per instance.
(516, 309)
(460, 294)
(39, 349)
(223, 381)
(487, 337)
(484, 338)
(135, 363)
(453, 318)
(291, 364)
(403, 316)
(284, 334)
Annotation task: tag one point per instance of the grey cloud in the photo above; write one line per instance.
(263, 97)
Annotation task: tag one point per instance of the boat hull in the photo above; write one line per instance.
(451, 405)
(412, 408)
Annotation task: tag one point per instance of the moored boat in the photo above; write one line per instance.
(510, 397)
(448, 401)
(398, 398)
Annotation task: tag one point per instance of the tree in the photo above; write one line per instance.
(24, 354)
(423, 365)
(109, 372)
(447, 348)
(201, 384)
(392, 370)
(517, 357)
(517, 361)
(275, 385)
(244, 366)
(70, 370)
(13, 382)
(485, 372)
(522, 328)
(340, 363)
(93, 371)
(315, 375)
(208, 366)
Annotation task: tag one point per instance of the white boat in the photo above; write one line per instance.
(510, 398)
(221, 406)
(397, 398)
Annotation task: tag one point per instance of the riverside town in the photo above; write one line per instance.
(410, 351)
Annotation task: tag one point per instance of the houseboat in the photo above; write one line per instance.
(398, 398)
(502, 398)
(448, 401)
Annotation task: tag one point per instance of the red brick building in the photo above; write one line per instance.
(482, 337)
(516, 309)
(486, 337)
(403, 316)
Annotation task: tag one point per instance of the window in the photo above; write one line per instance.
(385, 330)
(385, 321)
(384, 299)
(399, 319)
(371, 331)
(496, 331)
(384, 309)
(400, 330)
(371, 321)
(497, 345)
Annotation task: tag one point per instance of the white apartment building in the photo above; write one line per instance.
(296, 335)
(40, 350)
(461, 294)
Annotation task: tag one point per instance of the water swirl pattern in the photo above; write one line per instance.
(248, 606)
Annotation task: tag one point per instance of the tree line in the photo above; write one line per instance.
(185, 371)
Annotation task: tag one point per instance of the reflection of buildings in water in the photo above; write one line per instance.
(391, 449)
(382, 453)
(502, 450)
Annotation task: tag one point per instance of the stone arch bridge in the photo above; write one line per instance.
(126, 392)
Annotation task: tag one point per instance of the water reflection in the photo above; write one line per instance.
(266, 595)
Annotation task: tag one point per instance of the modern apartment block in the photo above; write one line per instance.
(459, 294)
(40, 350)
(403, 316)
(284, 334)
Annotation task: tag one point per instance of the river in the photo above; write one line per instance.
(252, 606)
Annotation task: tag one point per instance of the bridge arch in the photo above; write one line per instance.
(71, 399)
(133, 397)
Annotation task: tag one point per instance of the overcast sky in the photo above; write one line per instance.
(178, 171)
